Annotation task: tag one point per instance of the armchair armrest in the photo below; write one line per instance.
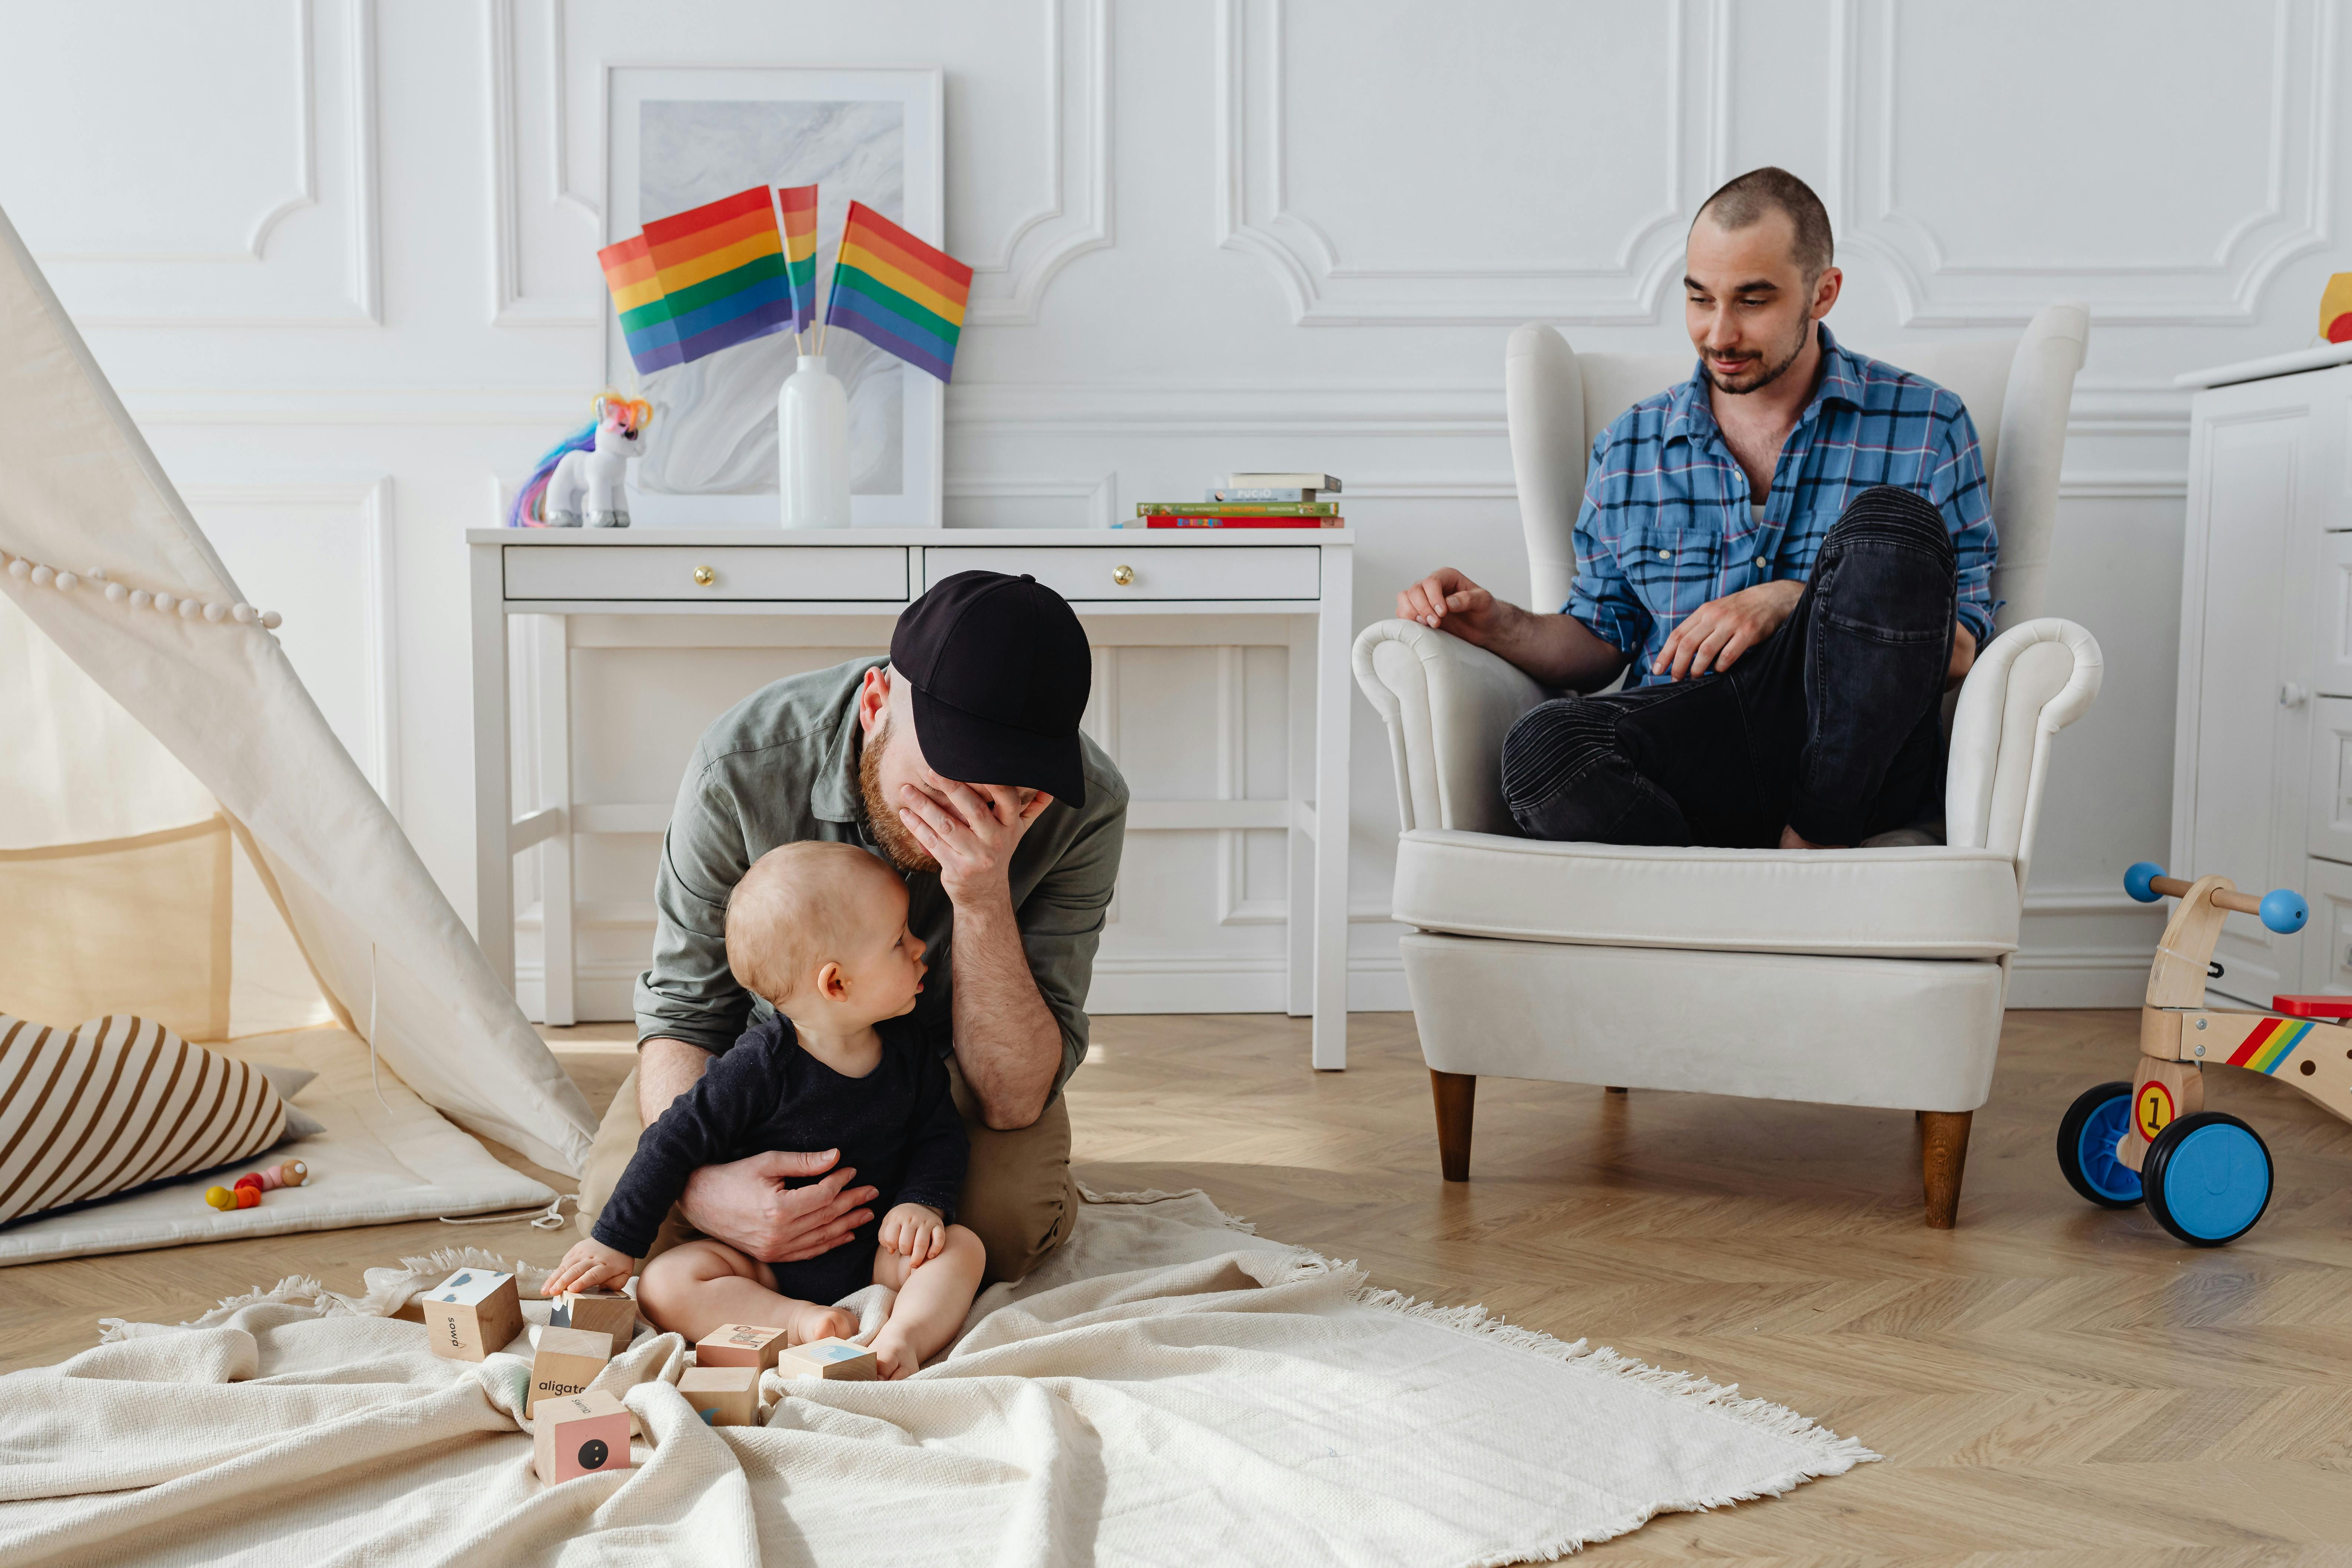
(2028, 683)
(1447, 705)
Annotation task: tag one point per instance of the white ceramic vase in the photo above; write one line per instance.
(812, 447)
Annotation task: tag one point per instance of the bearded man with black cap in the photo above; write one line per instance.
(959, 760)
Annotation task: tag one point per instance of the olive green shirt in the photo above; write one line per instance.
(782, 766)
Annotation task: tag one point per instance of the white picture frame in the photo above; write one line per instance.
(675, 136)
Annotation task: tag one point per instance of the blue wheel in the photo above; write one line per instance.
(2087, 1136)
(2207, 1178)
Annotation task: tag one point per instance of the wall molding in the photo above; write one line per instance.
(372, 499)
(1253, 214)
(306, 168)
(1931, 289)
(1100, 493)
(509, 305)
(1075, 216)
(363, 265)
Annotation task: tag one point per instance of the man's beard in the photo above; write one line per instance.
(898, 845)
(1804, 336)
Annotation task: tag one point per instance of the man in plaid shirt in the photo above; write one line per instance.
(1793, 548)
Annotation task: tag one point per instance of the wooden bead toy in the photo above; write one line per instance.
(471, 1313)
(566, 1362)
(740, 1344)
(248, 1198)
(220, 1198)
(836, 1359)
(580, 1435)
(722, 1395)
(613, 1312)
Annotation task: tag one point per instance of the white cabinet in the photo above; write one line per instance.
(2262, 759)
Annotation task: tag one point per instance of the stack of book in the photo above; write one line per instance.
(1250, 501)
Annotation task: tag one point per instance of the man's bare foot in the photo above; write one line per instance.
(894, 1357)
(808, 1322)
(1791, 840)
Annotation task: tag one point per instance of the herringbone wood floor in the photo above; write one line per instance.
(2049, 1383)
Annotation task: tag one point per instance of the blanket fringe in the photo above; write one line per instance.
(389, 1289)
(294, 1290)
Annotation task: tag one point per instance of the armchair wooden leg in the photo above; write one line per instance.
(1456, 1094)
(1943, 1153)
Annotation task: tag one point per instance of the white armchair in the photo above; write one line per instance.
(1870, 976)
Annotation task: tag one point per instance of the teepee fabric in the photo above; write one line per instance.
(81, 495)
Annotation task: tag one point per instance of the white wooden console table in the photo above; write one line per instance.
(1300, 577)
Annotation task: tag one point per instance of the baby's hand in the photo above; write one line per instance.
(916, 1233)
(589, 1266)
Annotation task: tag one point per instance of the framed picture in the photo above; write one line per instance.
(678, 136)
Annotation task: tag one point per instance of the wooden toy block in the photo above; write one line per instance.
(835, 1359)
(740, 1344)
(613, 1312)
(471, 1313)
(566, 1362)
(580, 1435)
(723, 1395)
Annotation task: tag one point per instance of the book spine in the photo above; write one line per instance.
(1237, 509)
(1243, 522)
(1260, 493)
(1324, 482)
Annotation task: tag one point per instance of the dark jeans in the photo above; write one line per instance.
(1832, 726)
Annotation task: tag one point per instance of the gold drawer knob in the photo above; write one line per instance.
(1122, 575)
(704, 577)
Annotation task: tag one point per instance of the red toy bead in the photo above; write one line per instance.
(248, 1180)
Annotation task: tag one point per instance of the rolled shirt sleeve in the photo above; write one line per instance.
(1062, 919)
(688, 992)
(1602, 596)
(1960, 492)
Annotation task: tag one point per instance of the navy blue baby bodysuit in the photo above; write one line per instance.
(897, 1126)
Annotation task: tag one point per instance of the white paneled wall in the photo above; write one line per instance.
(338, 255)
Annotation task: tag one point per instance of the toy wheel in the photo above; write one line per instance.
(2086, 1145)
(2207, 1178)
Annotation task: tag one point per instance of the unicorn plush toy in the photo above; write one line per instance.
(583, 476)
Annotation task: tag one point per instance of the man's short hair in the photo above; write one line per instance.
(1746, 199)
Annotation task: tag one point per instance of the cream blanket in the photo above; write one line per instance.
(1169, 1388)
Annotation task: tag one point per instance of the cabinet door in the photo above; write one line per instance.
(2331, 653)
(2328, 826)
(2255, 528)
(2327, 940)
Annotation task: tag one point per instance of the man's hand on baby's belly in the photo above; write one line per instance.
(746, 1205)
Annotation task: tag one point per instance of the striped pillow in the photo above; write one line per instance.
(115, 1104)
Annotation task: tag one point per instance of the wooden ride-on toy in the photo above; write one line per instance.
(2205, 1175)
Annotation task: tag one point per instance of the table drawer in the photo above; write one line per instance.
(1091, 572)
(655, 571)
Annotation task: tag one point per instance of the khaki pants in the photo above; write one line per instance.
(1018, 1194)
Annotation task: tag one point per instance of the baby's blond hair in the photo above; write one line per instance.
(796, 910)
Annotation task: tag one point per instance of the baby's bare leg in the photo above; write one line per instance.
(696, 1286)
(931, 1304)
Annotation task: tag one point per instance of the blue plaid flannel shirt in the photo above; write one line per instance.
(1666, 524)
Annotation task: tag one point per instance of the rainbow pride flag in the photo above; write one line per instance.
(629, 274)
(717, 280)
(897, 293)
(797, 207)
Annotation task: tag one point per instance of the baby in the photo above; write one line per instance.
(819, 930)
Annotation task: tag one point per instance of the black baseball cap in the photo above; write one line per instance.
(1000, 672)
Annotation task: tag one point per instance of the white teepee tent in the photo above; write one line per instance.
(119, 865)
